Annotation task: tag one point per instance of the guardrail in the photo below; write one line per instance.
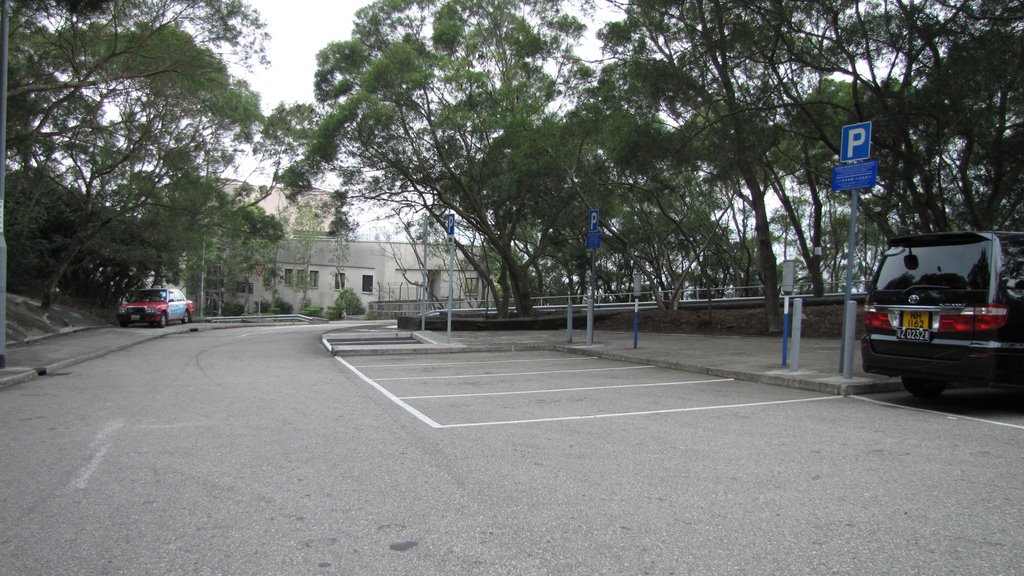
(721, 303)
(267, 318)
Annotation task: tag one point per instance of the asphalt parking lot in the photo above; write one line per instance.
(510, 388)
(518, 388)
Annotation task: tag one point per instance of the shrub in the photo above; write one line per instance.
(349, 303)
(282, 306)
(313, 311)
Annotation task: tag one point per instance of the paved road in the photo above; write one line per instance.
(254, 451)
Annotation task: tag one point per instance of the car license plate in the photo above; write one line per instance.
(135, 316)
(915, 325)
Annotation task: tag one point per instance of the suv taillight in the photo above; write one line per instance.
(980, 318)
(876, 319)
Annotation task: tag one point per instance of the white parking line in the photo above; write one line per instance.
(418, 365)
(433, 424)
(453, 376)
(645, 413)
(423, 417)
(566, 389)
(938, 413)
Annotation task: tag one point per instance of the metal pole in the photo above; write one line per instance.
(568, 313)
(590, 305)
(3, 181)
(202, 283)
(451, 266)
(851, 253)
(636, 323)
(426, 280)
(785, 329)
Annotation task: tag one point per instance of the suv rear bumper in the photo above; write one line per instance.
(968, 365)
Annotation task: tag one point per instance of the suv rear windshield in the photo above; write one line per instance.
(957, 266)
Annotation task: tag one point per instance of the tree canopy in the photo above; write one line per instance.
(705, 134)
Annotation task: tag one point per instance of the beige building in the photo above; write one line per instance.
(387, 276)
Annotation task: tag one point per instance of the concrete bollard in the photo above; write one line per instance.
(798, 317)
(850, 326)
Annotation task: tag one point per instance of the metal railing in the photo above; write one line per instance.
(267, 318)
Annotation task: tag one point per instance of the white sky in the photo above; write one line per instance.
(298, 30)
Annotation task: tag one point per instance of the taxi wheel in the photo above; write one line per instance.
(187, 318)
(163, 321)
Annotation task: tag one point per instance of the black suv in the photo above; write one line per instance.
(948, 308)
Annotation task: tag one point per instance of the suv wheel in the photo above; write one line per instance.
(924, 388)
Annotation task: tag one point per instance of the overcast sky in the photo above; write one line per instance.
(298, 30)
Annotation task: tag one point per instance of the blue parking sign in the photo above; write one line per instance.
(451, 225)
(856, 143)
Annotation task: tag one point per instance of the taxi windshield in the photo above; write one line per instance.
(150, 296)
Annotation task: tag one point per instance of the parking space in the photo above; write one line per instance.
(484, 389)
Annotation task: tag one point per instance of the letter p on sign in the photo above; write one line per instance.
(856, 144)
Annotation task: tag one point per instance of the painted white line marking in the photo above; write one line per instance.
(938, 413)
(553, 359)
(546, 391)
(429, 340)
(453, 376)
(99, 445)
(622, 414)
(423, 417)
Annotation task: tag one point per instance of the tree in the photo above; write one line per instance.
(457, 106)
(305, 232)
(942, 83)
(698, 64)
(121, 111)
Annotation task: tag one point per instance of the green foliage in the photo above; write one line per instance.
(282, 306)
(465, 118)
(348, 303)
(123, 113)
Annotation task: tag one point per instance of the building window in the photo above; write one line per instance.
(368, 283)
(339, 281)
(288, 276)
(243, 287)
(314, 279)
(300, 279)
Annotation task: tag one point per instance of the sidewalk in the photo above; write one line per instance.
(755, 359)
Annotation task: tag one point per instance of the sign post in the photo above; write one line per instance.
(858, 172)
(451, 267)
(426, 280)
(259, 268)
(593, 243)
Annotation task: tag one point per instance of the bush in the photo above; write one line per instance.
(232, 309)
(282, 306)
(313, 311)
(348, 303)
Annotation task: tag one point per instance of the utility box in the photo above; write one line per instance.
(788, 276)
